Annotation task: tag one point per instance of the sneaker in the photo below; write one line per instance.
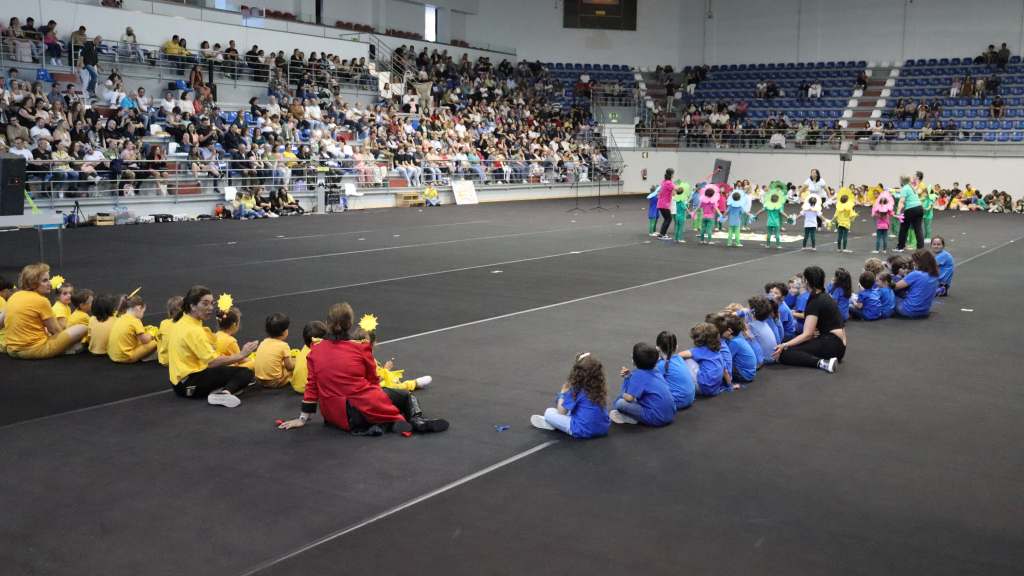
(663, 237)
(827, 365)
(538, 421)
(620, 418)
(897, 250)
(423, 381)
(272, 215)
(225, 399)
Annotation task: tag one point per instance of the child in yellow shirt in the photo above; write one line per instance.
(390, 378)
(5, 290)
(129, 340)
(62, 306)
(163, 337)
(274, 363)
(101, 323)
(312, 334)
(229, 322)
(81, 302)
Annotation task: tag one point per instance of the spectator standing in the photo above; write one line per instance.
(1002, 57)
(90, 62)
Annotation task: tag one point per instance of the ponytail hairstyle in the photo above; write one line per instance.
(667, 344)
(669, 173)
(339, 322)
(814, 279)
(173, 305)
(191, 300)
(228, 318)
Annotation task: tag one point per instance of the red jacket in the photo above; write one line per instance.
(342, 373)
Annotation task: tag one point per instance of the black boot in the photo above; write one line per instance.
(420, 425)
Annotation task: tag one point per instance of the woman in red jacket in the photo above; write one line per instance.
(342, 378)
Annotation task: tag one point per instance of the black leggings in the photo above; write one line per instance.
(666, 215)
(912, 217)
(808, 354)
(199, 385)
(401, 399)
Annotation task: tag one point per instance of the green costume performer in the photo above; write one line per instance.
(929, 211)
(682, 199)
(772, 204)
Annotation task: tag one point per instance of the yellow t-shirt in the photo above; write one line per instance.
(301, 373)
(227, 345)
(61, 310)
(170, 47)
(270, 356)
(190, 349)
(162, 340)
(99, 335)
(26, 312)
(124, 338)
(3, 329)
(79, 318)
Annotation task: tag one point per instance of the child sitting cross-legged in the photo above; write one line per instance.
(274, 364)
(81, 304)
(581, 411)
(646, 398)
(739, 339)
(705, 361)
(228, 324)
(102, 322)
(129, 341)
(868, 303)
(312, 334)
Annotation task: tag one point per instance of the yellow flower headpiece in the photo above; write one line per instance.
(848, 203)
(56, 282)
(224, 302)
(368, 323)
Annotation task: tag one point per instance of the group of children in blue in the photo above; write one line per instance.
(731, 346)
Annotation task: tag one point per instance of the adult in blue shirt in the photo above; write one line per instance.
(646, 398)
(945, 262)
(673, 368)
(920, 284)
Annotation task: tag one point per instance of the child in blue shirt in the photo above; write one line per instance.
(886, 296)
(761, 326)
(673, 368)
(775, 292)
(718, 321)
(744, 359)
(840, 289)
(799, 306)
(646, 398)
(869, 304)
(581, 403)
(705, 361)
(736, 209)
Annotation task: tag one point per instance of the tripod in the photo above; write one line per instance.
(599, 207)
(576, 185)
(76, 216)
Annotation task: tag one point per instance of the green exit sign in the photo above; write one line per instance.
(613, 116)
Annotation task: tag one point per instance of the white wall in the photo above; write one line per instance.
(983, 173)
(358, 11)
(406, 16)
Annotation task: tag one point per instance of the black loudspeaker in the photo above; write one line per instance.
(12, 185)
(721, 171)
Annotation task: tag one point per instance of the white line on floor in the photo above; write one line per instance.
(411, 276)
(396, 509)
(87, 408)
(990, 250)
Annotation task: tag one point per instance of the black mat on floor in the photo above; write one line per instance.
(905, 461)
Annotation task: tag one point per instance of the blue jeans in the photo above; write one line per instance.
(91, 88)
(559, 421)
(631, 409)
(405, 173)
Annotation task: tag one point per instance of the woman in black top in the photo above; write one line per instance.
(821, 314)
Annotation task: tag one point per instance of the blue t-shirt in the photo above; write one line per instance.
(801, 305)
(765, 338)
(780, 332)
(653, 394)
(788, 322)
(789, 301)
(838, 294)
(736, 215)
(743, 360)
(918, 301)
(887, 299)
(652, 210)
(758, 352)
(710, 376)
(679, 380)
(726, 355)
(945, 267)
(588, 419)
(871, 304)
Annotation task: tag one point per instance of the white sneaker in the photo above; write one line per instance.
(827, 365)
(423, 381)
(225, 399)
(538, 421)
(620, 418)
(272, 215)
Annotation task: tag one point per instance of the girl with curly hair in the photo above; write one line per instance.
(581, 409)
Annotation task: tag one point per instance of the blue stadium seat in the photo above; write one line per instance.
(1010, 112)
(972, 113)
(1014, 59)
(990, 137)
(1017, 137)
(1006, 125)
(608, 68)
(862, 64)
(921, 62)
(918, 124)
(578, 66)
(908, 64)
(933, 62)
(947, 113)
(968, 124)
(984, 113)
(905, 125)
(1018, 91)
(912, 136)
(840, 64)
(944, 62)
(957, 123)
(587, 67)
(955, 61)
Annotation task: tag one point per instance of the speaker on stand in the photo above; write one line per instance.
(845, 155)
(721, 173)
(12, 185)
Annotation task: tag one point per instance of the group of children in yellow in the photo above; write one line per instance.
(111, 325)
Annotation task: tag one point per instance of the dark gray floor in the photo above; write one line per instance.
(905, 461)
